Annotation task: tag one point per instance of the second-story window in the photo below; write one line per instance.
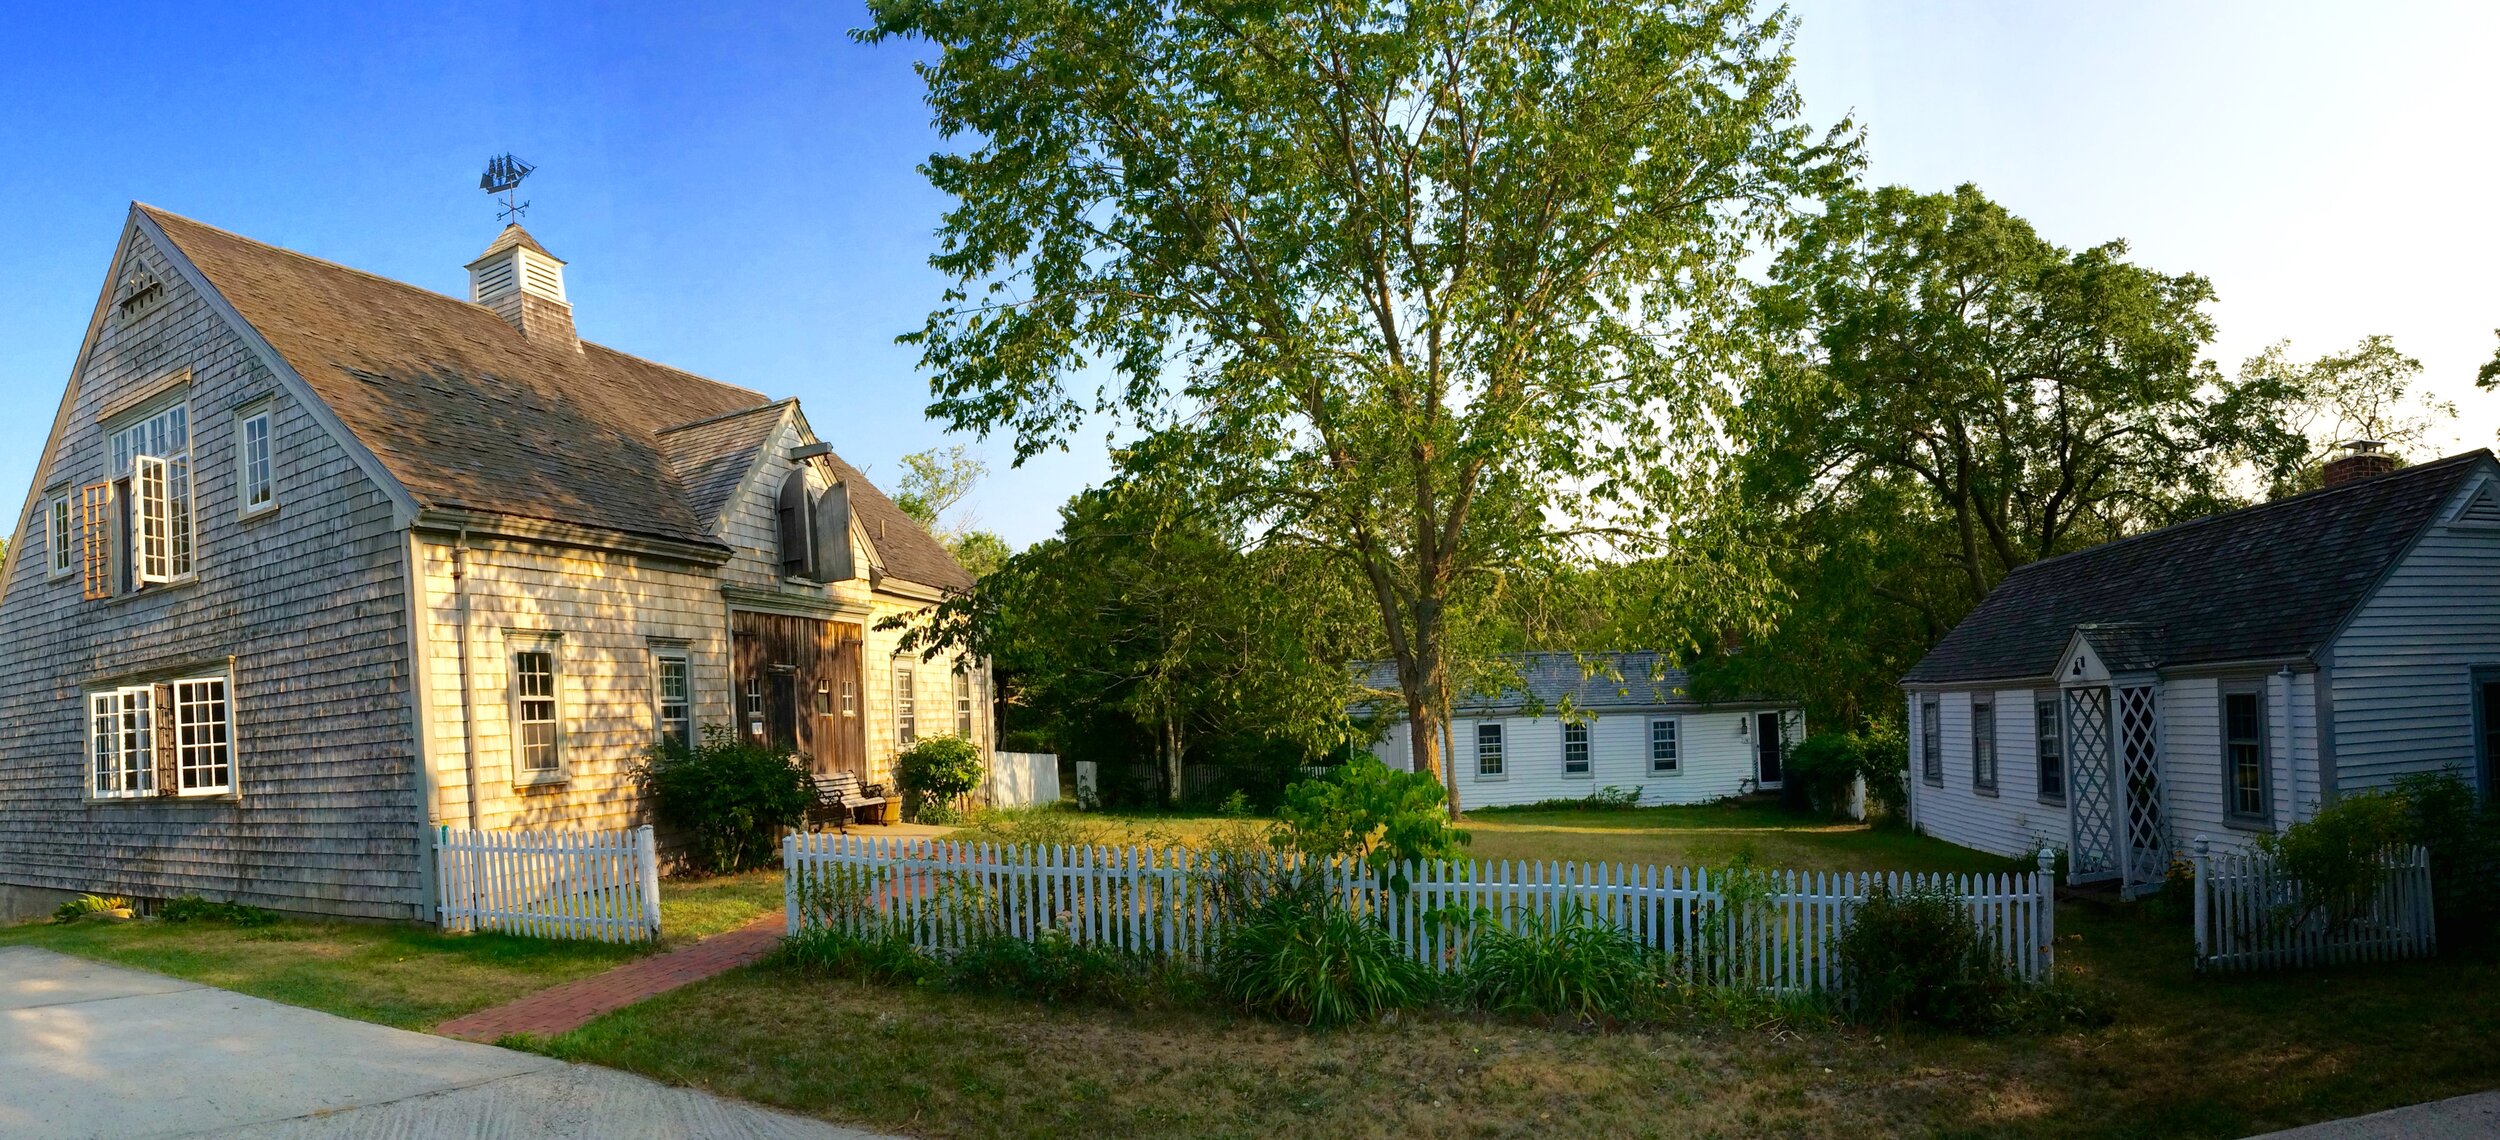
(60, 555)
(152, 471)
(256, 485)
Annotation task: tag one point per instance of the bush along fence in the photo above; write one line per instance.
(2251, 915)
(1739, 927)
(603, 885)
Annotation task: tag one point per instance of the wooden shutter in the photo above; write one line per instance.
(95, 529)
(151, 486)
(833, 535)
(166, 731)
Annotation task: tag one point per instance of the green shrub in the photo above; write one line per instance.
(1916, 955)
(193, 908)
(1364, 810)
(886, 957)
(2465, 855)
(1566, 964)
(91, 906)
(935, 772)
(730, 798)
(1300, 955)
(2335, 856)
(1608, 798)
(1822, 767)
(1049, 968)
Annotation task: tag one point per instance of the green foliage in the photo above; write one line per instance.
(933, 481)
(1917, 955)
(936, 772)
(1608, 798)
(193, 908)
(1365, 810)
(1049, 968)
(90, 906)
(2337, 856)
(2464, 841)
(1564, 964)
(1822, 768)
(729, 797)
(886, 957)
(1299, 955)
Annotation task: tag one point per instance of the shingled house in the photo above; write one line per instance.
(2223, 677)
(316, 560)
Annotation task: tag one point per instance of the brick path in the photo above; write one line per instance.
(572, 1005)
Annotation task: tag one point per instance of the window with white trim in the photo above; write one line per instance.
(1666, 746)
(256, 485)
(1930, 741)
(753, 703)
(170, 738)
(850, 698)
(1575, 749)
(906, 718)
(676, 696)
(963, 705)
(2245, 798)
(1983, 746)
(203, 736)
(2050, 728)
(152, 465)
(1488, 750)
(121, 734)
(537, 731)
(60, 557)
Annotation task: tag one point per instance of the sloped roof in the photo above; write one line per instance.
(2124, 647)
(908, 550)
(2264, 582)
(513, 235)
(711, 456)
(1647, 681)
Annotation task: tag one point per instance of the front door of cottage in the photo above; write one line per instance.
(798, 686)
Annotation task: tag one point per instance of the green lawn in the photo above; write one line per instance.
(395, 974)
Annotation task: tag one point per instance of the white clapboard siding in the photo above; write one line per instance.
(602, 885)
(944, 895)
(2248, 915)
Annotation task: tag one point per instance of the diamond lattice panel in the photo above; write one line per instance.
(2091, 801)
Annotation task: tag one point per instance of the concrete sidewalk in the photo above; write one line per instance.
(2472, 1117)
(89, 1050)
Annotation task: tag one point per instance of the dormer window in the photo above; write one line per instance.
(138, 294)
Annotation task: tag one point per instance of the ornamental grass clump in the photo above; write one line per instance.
(1567, 963)
(1301, 955)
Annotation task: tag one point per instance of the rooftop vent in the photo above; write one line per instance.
(2362, 459)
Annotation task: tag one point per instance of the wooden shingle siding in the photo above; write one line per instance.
(2401, 669)
(2012, 822)
(308, 602)
(605, 611)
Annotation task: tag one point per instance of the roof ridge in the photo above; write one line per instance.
(690, 425)
(2270, 504)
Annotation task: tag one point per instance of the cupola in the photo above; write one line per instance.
(524, 284)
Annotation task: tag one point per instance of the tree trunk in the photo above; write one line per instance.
(1171, 760)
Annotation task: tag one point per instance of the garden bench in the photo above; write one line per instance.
(837, 800)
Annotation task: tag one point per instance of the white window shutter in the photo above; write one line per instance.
(154, 548)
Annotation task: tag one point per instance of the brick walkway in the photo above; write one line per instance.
(572, 1005)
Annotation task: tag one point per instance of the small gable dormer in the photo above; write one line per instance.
(524, 284)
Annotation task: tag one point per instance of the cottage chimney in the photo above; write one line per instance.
(2362, 459)
(524, 284)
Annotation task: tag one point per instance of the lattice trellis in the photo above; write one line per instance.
(2139, 750)
(2091, 797)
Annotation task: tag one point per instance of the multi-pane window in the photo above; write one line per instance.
(1983, 746)
(256, 484)
(676, 698)
(2244, 754)
(152, 459)
(1666, 749)
(203, 736)
(1930, 742)
(1488, 750)
(2051, 730)
(906, 718)
(824, 698)
(850, 698)
(963, 705)
(59, 555)
(534, 710)
(752, 701)
(1575, 749)
(121, 733)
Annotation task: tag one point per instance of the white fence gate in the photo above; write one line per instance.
(549, 884)
(1771, 929)
(2251, 916)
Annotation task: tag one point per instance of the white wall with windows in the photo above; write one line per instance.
(1684, 755)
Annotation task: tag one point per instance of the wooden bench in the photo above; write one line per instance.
(838, 800)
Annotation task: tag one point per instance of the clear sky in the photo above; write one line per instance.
(734, 186)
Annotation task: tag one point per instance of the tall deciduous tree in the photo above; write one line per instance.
(2366, 392)
(1433, 286)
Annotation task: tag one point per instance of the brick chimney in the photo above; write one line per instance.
(524, 284)
(2362, 459)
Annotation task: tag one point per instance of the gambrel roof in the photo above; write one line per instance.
(468, 414)
(2263, 583)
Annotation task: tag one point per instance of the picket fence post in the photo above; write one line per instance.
(2045, 891)
(2203, 861)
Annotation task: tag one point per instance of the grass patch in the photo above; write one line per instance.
(2188, 1057)
(395, 974)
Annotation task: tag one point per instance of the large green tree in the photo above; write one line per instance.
(2370, 391)
(1435, 288)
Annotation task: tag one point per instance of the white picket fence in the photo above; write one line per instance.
(1771, 929)
(549, 884)
(2249, 915)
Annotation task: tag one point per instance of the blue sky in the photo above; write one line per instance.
(734, 185)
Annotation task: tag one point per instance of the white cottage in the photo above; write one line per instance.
(2223, 677)
(1623, 720)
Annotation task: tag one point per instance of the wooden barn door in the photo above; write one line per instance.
(798, 685)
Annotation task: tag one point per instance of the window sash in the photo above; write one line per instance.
(536, 734)
(1488, 750)
(203, 736)
(253, 463)
(1666, 747)
(2050, 730)
(1983, 746)
(676, 699)
(963, 705)
(850, 698)
(1930, 747)
(154, 545)
(2244, 767)
(906, 718)
(121, 725)
(161, 517)
(1575, 750)
(63, 557)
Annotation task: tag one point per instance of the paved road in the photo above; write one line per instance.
(89, 1050)
(2475, 1117)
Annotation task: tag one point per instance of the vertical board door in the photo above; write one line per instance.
(807, 672)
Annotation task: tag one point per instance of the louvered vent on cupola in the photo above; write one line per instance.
(524, 284)
(2481, 509)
